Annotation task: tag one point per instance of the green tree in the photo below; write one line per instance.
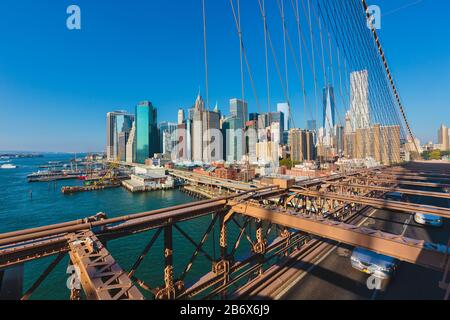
(435, 155)
(287, 162)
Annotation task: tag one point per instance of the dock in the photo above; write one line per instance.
(77, 189)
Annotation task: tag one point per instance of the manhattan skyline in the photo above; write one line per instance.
(55, 96)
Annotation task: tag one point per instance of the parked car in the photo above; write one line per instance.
(428, 220)
(380, 266)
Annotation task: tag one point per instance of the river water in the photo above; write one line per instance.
(47, 205)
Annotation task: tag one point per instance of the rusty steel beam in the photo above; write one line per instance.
(401, 176)
(405, 182)
(409, 250)
(379, 203)
(418, 173)
(34, 245)
(100, 275)
(393, 189)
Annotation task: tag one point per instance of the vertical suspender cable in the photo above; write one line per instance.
(241, 48)
(205, 55)
(266, 53)
(388, 71)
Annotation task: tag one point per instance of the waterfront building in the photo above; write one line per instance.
(147, 137)
(117, 123)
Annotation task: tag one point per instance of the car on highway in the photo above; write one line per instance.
(428, 220)
(378, 265)
(395, 196)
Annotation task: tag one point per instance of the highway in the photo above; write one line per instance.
(333, 277)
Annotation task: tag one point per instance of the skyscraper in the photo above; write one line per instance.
(147, 137)
(180, 116)
(166, 141)
(359, 100)
(253, 116)
(211, 125)
(284, 107)
(277, 117)
(197, 129)
(339, 140)
(443, 137)
(118, 124)
(329, 114)
(311, 125)
(236, 135)
(251, 134)
(301, 143)
(204, 124)
(131, 145)
(239, 109)
(263, 121)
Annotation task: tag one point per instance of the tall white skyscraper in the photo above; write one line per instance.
(284, 107)
(359, 100)
(197, 130)
(180, 116)
(329, 115)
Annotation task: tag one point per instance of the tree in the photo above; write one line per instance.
(287, 162)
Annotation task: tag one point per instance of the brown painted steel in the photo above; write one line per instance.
(387, 189)
(413, 251)
(379, 203)
(100, 275)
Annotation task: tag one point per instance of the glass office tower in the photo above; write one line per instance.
(118, 127)
(147, 136)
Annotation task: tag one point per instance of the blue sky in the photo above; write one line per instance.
(56, 85)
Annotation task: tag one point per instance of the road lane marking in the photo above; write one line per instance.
(406, 225)
(304, 274)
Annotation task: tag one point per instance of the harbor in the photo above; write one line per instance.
(49, 205)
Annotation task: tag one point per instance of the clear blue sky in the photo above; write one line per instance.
(56, 85)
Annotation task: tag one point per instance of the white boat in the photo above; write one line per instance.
(8, 166)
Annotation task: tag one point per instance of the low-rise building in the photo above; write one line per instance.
(148, 182)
